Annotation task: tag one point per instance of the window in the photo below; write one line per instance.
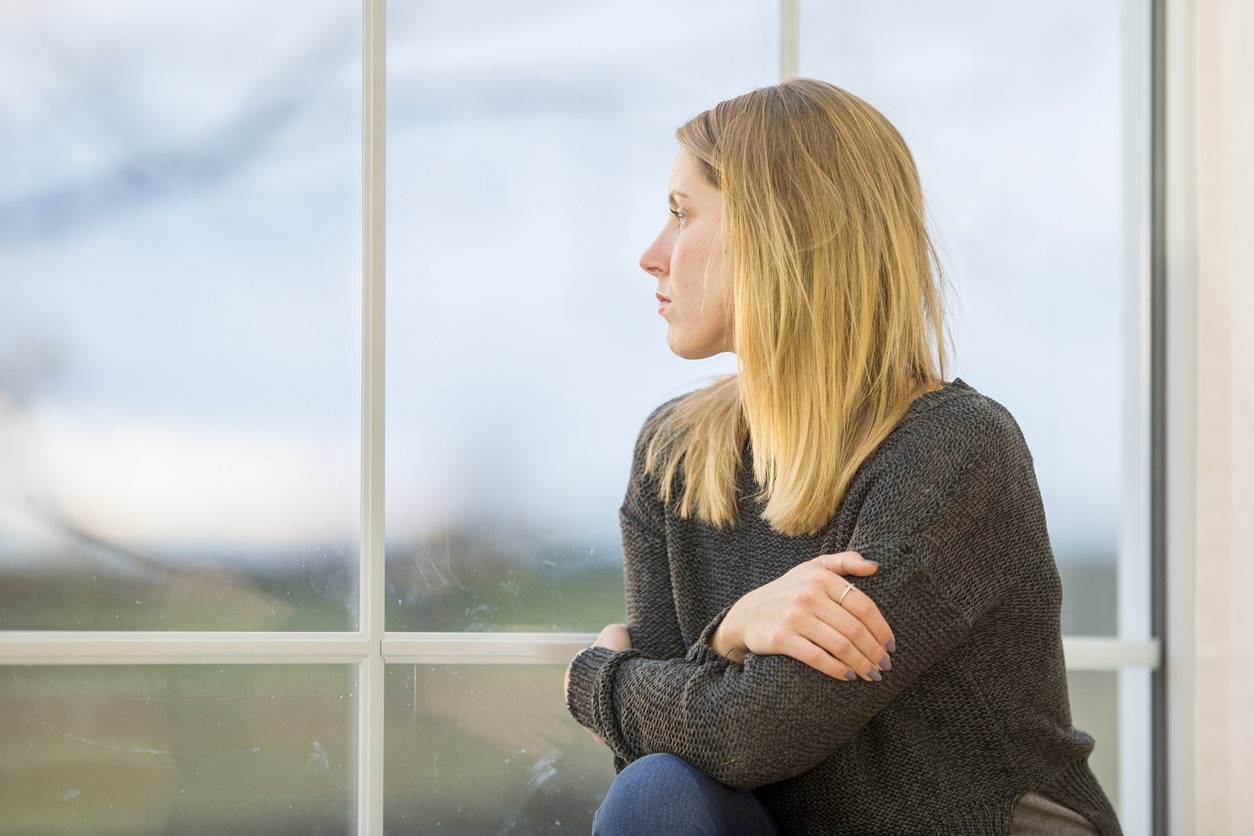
(209, 617)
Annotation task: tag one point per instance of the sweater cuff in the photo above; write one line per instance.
(590, 695)
(702, 648)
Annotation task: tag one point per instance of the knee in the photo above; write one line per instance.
(662, 793)
(658, 774)
(648, 786)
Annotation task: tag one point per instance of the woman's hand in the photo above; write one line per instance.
(613, 636)
(797, 615)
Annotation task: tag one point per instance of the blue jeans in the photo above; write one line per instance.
(663, 794)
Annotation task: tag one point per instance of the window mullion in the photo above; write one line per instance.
(370, 704)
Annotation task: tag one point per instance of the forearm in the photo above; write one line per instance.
(948, 554)
(771, 717)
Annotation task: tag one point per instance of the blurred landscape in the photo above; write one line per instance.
(180, 346)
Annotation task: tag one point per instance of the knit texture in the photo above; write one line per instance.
(974, 712)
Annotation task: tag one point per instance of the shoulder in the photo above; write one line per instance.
(960, 410)
(955, 430)
(650, 424)
(640, 483)
(664, 408)
(958, 465)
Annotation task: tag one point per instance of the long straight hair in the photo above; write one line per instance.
(835, 305)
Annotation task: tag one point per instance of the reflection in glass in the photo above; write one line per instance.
(196, 749)
(179, 306)
(488, 749)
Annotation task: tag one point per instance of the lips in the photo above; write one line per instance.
(661, 298)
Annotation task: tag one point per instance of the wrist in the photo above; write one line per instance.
(726, 640)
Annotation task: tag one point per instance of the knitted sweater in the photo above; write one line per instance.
(974, 712)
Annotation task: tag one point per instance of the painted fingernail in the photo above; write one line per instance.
(891, 644)
(886, 663)
(874, 674)
(850, 675)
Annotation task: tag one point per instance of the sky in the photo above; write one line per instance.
(179, 252)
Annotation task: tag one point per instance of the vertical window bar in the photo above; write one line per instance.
(1175, 404)
(789, 38)
(371, 575)
(1134, 564)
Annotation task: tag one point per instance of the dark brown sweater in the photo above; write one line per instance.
(974, 712)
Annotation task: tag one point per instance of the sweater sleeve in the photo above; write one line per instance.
(946, 525)
(652, 621)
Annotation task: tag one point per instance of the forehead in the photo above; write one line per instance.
(684, 176)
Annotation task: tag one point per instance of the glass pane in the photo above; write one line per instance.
(492, 749)
(529, 149)
(179, 314)
(488, 749)
(1013, 112)
(1095, 709)
(192, 749)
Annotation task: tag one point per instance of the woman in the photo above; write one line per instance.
(754, 689)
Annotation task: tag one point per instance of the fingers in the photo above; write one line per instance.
(827, 651)
(847, 563)
(857, 602)
(860, 605)
(848, 639)
(818, 620)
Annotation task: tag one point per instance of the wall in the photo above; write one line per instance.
(1210, 462)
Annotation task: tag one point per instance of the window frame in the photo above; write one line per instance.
(1134, 653)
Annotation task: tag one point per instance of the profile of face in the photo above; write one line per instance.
(696, 308)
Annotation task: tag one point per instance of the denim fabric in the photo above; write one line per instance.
(662, 794)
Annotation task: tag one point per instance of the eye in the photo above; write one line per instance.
(679, 215)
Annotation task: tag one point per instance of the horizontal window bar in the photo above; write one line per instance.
(120, 647)
(53, 647)
(1083, 653)
(484, 648)
(1094, 653)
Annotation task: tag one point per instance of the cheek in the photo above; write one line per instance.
(688, 261)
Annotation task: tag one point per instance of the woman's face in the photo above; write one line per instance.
(696, 315)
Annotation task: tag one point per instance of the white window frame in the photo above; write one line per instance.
(1134, 654)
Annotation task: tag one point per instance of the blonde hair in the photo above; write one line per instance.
(834, 305)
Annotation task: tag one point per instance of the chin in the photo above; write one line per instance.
(690, 350)
(694, 353)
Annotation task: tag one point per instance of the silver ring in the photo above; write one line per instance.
(843, 594)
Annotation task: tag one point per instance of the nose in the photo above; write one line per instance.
(656, 259)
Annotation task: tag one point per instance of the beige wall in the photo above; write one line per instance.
(1210, 345)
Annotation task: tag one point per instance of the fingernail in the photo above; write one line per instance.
(886, 664)
(874, 674)
(850, 675)
(891, 645)
(870, 562)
